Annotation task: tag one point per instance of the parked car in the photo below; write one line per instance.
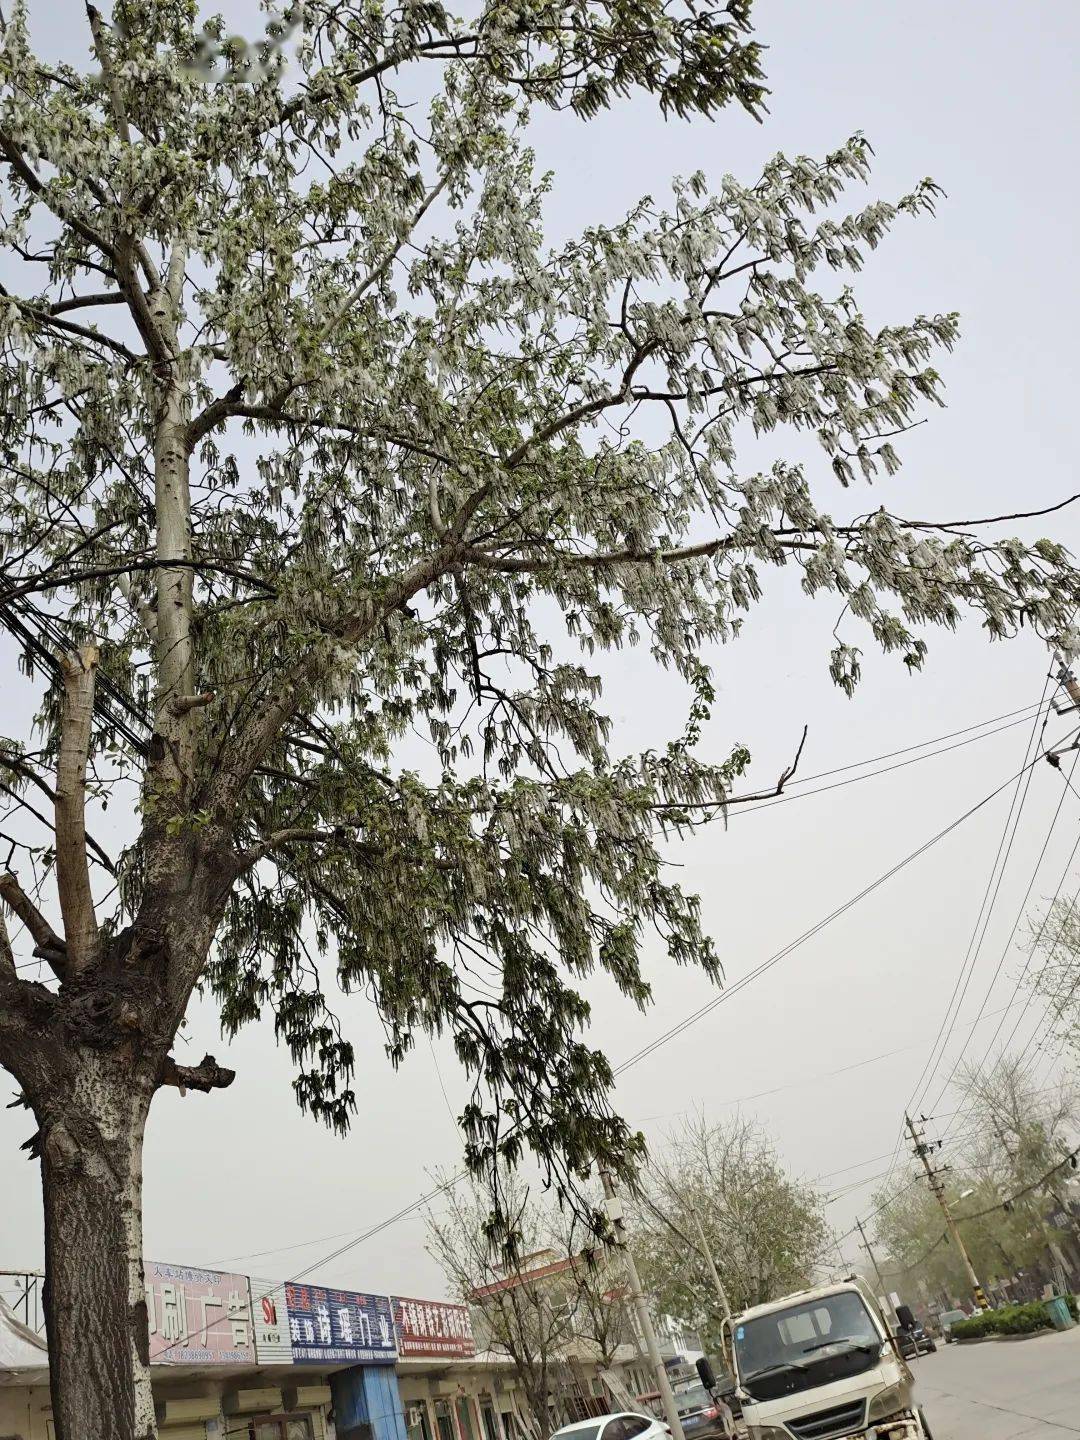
(915, 1341)
(947, 1319)
(699, 1413)
(622, 1425)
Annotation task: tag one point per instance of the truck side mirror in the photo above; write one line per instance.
(905, 1318)
(705, 1373)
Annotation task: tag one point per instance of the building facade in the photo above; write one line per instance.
(237, 1358)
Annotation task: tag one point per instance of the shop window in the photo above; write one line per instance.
(416, 1420)
(491, 1425)
(284, 1427)
(444, 1420)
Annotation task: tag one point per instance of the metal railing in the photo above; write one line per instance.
(21, 1291)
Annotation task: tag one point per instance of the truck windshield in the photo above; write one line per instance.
(814, 1343)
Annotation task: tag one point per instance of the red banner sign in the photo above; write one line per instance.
(432, 1327)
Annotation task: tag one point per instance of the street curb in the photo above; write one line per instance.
(988, 1339)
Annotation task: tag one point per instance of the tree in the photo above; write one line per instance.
(1012, 1135)
(766, 1230)
(560, 1300)
(1021, 1134)
(311, 444)
(1055, 940)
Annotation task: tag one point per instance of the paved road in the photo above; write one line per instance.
(1019, 1390)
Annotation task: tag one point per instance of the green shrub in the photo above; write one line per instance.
(1009, 1320)
(1070, 1300)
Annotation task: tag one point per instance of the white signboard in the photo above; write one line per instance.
(272, 1343)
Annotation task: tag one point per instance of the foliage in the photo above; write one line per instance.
(345, 453)
(1009, 1320)
(765, 1229)
(330, 489)
(1054, 939)
(1009, 1138)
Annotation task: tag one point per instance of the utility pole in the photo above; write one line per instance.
(922, 1151)
(1068, 681)
(873, 1261)
(641, 1308)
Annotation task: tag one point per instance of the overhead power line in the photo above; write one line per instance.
(986, 906)
(674, 1031)
(727, 994)
(933, 1060)
(1007, 946)
(770, 802)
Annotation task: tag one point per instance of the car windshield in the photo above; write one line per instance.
(696, 1397)
(579, 1432)
(805, 1345)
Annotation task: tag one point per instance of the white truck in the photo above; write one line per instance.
(823, 1364)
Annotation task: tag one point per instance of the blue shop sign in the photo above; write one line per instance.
(339, 1325)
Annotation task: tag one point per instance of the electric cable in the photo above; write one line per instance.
(927, 1072)
(986, 907)
(724, 995)
(1008, 942)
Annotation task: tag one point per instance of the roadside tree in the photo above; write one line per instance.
(558, 1302)
(765, 1229)
(313, 446)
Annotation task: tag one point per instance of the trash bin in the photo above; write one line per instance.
(1058, 1311)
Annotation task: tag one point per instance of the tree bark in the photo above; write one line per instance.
(95, 1302)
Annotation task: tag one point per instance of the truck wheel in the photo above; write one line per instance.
(925, 1427)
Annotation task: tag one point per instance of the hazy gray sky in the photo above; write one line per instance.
(982, 97)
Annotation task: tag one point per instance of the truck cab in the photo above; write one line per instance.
(822, 1364)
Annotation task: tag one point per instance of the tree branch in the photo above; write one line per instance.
(988, 519)
(132, 567)
(7, 956)
(82, 302)
(18, 162)
(72, 870)
(206, 1076)
(47, 944)
(294, 835)
(49, 318)
(30, 775)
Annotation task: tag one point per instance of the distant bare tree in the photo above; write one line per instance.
(535, 1314)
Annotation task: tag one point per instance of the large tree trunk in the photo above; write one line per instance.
(95, 1303)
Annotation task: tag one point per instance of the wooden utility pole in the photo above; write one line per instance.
(922, 1150)
(641, 1308)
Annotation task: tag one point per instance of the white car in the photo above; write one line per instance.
(622, 1425)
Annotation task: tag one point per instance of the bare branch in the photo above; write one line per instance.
(84, 302)
(27, 772)
(72, 870)
(784, 778)
(50, 319)
(206, 1076)
(989, 519)
(183, 703)
(47, 944)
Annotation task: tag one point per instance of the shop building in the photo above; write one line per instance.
(235, 1358)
